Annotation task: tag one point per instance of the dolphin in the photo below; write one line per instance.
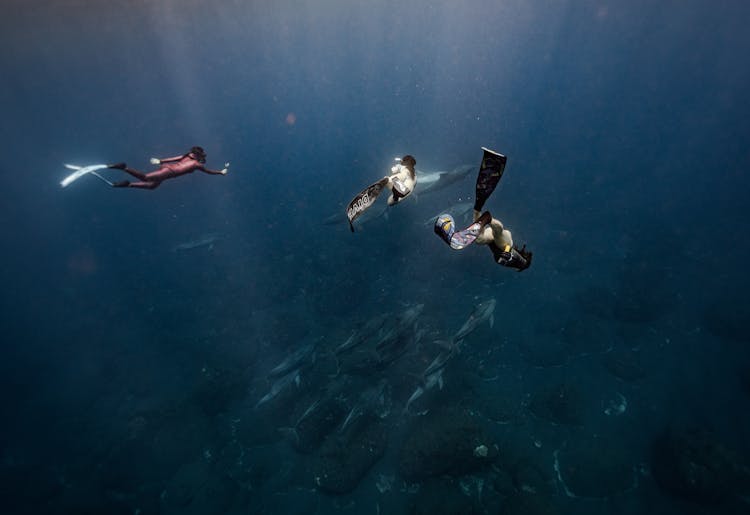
(380, 209)
(482, 311)
(448, 351)
(429, 382)
(375, 400)
(295, 360)
(280, 385)
(436, 181)
(207, 240)
(403, 334)
(403, 321)
(371, 328)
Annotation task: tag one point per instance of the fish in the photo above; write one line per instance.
(295, 360)
(207, 240)
(280, 385)
(482, 311)
(430, 182)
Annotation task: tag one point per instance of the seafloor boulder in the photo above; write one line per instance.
(449, 441)
(343, 462)
(696, 467)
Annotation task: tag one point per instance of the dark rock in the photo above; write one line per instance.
(448, 441)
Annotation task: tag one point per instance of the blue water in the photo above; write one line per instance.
(130, 371)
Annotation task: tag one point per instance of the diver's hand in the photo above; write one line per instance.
(155, 161)
(225, 169)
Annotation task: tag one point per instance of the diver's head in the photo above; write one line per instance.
(445, 226)
(409, 162)
(198, 154)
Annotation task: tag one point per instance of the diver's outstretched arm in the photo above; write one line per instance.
(223, 171)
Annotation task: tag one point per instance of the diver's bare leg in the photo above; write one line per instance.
(146, 185)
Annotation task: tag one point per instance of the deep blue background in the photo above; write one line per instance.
(626, 125)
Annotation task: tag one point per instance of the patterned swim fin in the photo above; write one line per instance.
(364, 200)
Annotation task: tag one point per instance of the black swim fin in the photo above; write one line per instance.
(490, 172)
(117, 166)
(364, 200)
(485, 218)
(512, 257)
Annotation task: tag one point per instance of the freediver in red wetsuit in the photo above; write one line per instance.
(170, 168)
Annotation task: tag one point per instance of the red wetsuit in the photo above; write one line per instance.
(170, 168)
